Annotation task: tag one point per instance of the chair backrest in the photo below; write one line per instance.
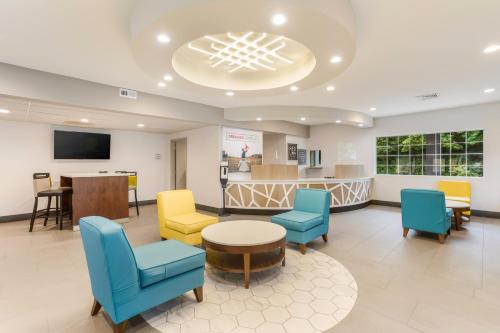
(423, 209)
(174, 203)
(111, 262)
(132, 178)
(41, 182)
(455, 188)
(313, 201)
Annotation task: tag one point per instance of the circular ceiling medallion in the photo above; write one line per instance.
(243, 61)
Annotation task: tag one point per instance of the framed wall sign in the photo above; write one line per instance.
(302, 156)
(292, 151)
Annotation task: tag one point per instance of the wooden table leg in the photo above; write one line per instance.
(457, 219)
(246, 268)
(282, 251)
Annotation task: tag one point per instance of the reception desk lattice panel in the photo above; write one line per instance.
(280, 195)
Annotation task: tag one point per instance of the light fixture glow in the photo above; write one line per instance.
(336, 59)
(361, 125)
(163, 38)
(373, 108)
(489, 90)
(279, 19)
(4, 111)
(168, 77)
(294, 88)
(140, 125)
(338, 121)
(492, 48)
(84, 120)
(259, 118)
(330, 88)
(230, 93)
(303, 118)
(162, 84)
(245, 51)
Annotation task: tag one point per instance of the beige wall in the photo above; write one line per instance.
(27, 148)
(274, 151)
(345, 144)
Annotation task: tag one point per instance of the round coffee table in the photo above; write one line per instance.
(458, 208)
(244, 246)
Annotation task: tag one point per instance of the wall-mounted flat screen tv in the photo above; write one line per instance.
(81, 146)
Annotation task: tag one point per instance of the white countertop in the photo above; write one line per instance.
(94, 174)
(299, 180)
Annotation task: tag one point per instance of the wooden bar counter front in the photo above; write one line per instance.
(96, 195)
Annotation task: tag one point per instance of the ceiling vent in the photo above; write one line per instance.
(427, 96)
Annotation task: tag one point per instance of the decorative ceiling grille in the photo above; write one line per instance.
(249, 51)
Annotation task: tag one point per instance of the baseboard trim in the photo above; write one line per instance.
(474, 212)
(210, 209)
(27, 216)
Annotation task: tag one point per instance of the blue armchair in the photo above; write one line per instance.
(309, 218)
(425, 210)
(127, 281)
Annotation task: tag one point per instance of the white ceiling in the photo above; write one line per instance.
(41, 112)
(404, 48)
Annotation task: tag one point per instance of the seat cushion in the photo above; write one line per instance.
(190, 223)
(159, 261)
(298, 220)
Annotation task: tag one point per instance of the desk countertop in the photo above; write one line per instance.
(95, 174)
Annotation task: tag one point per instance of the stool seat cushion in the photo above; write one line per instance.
(190, 223)
(159, 261)
(54, 191)
(298, 220)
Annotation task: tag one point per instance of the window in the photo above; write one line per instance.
(439, 154)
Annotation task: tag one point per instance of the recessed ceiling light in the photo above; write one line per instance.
(489, 90)
(492, 48)
(303, 118)
(140, 125)
(163, 38)
(336, 59)
(259, 118)
(4, 111)
(168, 77)
(229, 93)
(279, 19)
(162, 84)
(330, 88)
(373, 108)
(84, 120)
(338, 121)
(361, 125)
(294, 88)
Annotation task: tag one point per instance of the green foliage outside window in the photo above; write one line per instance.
(439, 154)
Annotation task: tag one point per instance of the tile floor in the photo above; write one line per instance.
(405, 285)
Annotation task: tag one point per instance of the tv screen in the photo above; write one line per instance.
(81, 146)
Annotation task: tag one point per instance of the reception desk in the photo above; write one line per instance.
(96, 194)
(261, 196)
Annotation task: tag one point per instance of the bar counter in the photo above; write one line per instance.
(266, 196)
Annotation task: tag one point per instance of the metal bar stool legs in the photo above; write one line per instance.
(33, 215)
(136, 204)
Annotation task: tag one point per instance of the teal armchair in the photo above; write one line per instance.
(127, 281)
(425, 210)
(309, 218)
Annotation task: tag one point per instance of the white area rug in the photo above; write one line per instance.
(312, 293)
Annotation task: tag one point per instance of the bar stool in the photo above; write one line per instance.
(42, 188)
(132, 185)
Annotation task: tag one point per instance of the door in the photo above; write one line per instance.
(180, 147)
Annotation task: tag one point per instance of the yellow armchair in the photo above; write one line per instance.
(178, 219)
(456, 190)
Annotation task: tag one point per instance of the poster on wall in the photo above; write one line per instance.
(302, 156)
(241, 148)
(292, 151)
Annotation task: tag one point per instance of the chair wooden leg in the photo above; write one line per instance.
(136, 204)
(49, 201)
(405, 232)
(57, 210)
(60, 212)
(33, 214)
(95, 308)
(325, 238)
(198, 293)
(441, 238)
(120, 328)
(302, 248)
